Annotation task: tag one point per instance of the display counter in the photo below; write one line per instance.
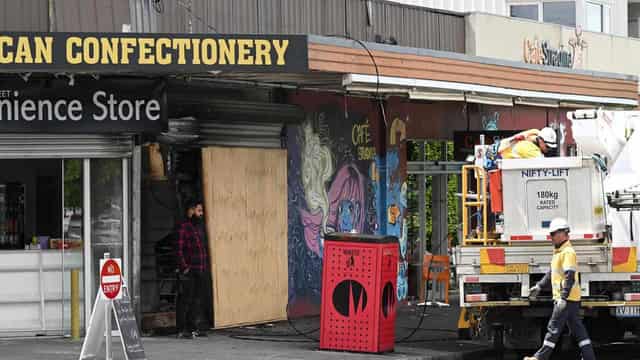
(36, 292)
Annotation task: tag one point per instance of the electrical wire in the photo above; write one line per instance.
(424, 311)
(296, 329)
(375, 65)
(278, 337)
(202, 21)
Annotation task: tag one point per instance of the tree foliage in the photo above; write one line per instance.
(73, 184)
(433, 151)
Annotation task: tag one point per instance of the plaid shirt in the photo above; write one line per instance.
(191, 251)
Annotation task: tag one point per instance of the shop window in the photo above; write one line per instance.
(525, 11)
(595, 17)
(559, 12)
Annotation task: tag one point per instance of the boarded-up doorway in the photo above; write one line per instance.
(246, 210)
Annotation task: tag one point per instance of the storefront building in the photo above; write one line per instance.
(355, 142)
(286, 137)
(69, 154)
(80, 115)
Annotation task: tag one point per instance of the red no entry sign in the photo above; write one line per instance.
(111, 278)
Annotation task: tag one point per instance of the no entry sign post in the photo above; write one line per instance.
(110, 286)
(112, 298)
(110, 278)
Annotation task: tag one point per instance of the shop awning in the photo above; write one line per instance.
(424, 74)
(423, 89)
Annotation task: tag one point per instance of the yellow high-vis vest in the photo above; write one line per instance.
(564, 259)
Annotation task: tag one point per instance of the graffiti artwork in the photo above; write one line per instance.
(338, 209)
(396, 200)
(330, 190)
(361, 138)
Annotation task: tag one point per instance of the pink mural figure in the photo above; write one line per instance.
(346, 209)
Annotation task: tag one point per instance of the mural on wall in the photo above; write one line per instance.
(331, 157)
(396, 198)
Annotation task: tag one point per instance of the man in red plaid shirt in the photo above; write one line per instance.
(193, 267)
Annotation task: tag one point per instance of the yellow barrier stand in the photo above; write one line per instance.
(75, 304)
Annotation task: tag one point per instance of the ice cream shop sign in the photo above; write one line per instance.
(541, 52)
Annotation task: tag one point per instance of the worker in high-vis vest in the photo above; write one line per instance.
(563, 278)
(528, 144)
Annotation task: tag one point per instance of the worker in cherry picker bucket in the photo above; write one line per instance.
(529, 144)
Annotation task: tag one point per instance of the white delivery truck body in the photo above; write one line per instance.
(598, 192)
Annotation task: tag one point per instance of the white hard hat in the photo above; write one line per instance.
(549, 136)
(558, 224)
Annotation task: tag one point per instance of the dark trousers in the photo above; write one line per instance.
(190, 310)
(559, 319)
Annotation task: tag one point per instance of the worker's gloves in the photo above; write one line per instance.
(561, 304)
(533, 292)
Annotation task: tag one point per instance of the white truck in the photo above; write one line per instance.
(506, 247)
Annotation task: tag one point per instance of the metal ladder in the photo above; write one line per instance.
(477, 201)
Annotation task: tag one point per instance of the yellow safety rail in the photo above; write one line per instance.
(477, 200)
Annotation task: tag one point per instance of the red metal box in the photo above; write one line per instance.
(359, 278)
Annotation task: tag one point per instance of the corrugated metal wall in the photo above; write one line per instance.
(70, 15)
(410, 26)
(24, 15)
(91, 15)
(498, 7)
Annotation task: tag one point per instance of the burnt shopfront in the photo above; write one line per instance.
(98, 129)
(68, 148)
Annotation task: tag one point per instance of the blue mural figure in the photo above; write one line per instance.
(403, 287)
(348, 213)
(396, 205)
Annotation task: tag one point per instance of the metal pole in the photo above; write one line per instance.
(136, 239)
(88, 243)
(63, 241)
(75, 304)
(107, 321)
(126, 230)
(422, 220)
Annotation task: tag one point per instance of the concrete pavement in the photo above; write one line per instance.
(222, 347)
(436, 339)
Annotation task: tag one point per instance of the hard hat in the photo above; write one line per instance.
(549, 136)
(558, 224)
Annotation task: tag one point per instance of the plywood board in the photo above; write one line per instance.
(245, 194)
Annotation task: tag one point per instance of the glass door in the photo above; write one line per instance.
(106, 222)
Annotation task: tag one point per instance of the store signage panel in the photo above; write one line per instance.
(90, 106)
(152, 53)
(569, 55)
